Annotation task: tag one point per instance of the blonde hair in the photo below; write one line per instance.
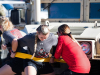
(6, 24)
(65, 29)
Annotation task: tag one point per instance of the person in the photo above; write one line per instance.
(10, 34)
(71, 52)
(39, 45)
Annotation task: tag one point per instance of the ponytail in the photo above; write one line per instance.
(74, 40)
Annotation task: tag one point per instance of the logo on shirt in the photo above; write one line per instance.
(16, 33)
(41, 53)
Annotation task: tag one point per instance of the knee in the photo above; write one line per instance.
(30, 70)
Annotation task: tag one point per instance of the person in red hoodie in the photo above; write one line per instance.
(71, 52)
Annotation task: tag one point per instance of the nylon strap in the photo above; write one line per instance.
(28, 56)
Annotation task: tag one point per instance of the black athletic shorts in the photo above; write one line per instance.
(16, 64)
(41, 67)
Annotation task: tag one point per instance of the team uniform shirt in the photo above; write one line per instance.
(43, 47)
(73, 55)
(10, 35)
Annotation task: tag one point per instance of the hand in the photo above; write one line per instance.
(59, 59)
(12, 55)
(3, 46)
(51, 60)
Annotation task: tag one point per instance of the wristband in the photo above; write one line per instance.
(13, 51)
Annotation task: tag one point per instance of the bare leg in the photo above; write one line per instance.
(30, 70)
(49, 74)
(6, 70)
(23, 73)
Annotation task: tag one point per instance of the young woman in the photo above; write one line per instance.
(71, 52)
(39, 45)
(10, 34)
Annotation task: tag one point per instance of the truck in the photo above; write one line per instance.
(82, 16)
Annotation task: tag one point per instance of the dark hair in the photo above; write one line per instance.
(43, 29)
(65, 29)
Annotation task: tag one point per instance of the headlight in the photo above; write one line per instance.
(86, 47)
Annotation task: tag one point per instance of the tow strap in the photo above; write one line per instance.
(28, 56)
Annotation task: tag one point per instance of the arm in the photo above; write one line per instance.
(14, 45)
(55, 41)
(52, 57)
(58, 51)
(22, 42)
(11, 41)
(53, 51)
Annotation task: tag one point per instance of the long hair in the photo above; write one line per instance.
(6, 24)
(65, 30)
(43, 29)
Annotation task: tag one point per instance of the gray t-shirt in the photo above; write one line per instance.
(43, 47)
(10, 35)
